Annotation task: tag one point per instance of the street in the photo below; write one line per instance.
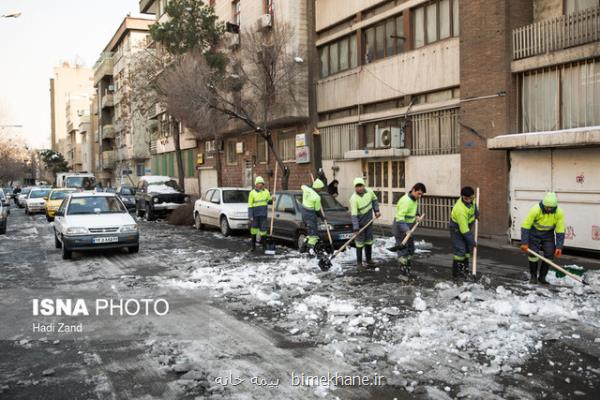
(243, 325)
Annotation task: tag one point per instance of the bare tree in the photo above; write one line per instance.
(259, 89)
(13, 158)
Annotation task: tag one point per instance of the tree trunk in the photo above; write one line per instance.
(284, 169)
(178, 158)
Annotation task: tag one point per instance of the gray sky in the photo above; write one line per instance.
(48, 32)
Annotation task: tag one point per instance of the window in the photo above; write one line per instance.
(235, 8)
(336, 140)
(216, 197)
(561, 98)
(140, 169)
(190, 163)
(209, 148)
(262, 150)
(231, 155)
(268, 6)
(286, 145)
(386, 178)
(384, 39)
(208, 195)
(286, 204)
(435, 133)
(338, 56)
(433, 21)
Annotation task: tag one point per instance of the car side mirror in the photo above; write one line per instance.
(60, 214)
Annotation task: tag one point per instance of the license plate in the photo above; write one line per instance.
(345, 236)
(111, 239)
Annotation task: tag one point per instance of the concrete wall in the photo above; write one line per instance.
(545, 9)
(429, 68)
(441, 174)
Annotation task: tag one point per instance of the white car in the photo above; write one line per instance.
(22, 197)
(226, 208)
(36, 200)
(89, 221)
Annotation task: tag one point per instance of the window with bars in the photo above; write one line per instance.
(337, 140)
(434, 21)
(286, 145)
(435, 133)
(262, 150)
(437, 210)
(209, 148)
(231, 155)
(387, 179)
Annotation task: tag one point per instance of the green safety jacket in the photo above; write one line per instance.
(406, 209)
(311, 200)
(258, 201)
(462, 217)
(362, 204)
(541, 223)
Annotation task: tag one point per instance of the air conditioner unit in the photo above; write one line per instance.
(265, 21)
(386, 138)
(111, 88)
(233, 41)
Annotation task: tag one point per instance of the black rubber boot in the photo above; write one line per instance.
(533, 269)
(405, 266)
(263, 243)
(369, 254)
(359, 257)
(543, 271)
(253, 248)
(455, 269)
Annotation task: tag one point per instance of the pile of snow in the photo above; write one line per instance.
(161, 188)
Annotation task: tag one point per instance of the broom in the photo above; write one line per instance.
(270, 245)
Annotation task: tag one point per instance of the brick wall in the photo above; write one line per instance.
(485, 56)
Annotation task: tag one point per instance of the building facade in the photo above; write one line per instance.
(123, 141)
(67, 82)
(554, 64)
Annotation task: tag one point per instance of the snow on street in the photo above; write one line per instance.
(265, 320)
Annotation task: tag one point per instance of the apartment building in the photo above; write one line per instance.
(67, 82)
(238, 156)
(77, 113)
(555, 66)
(123, 140)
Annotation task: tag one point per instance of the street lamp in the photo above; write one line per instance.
(11, 15)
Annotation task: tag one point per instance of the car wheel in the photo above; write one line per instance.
(225, 229)
(66, 254)
(197, 222)
(134, 249)
(149, 214)
(57, 242)
(300, 241)
(49, 218)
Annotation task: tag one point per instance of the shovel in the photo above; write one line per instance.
(407, 237)
(559, 268)
(325, 263)
(270, 244)
(474, 271)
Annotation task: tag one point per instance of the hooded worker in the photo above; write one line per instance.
(258, 201)
(363, 203)
(543, 230)
(404, 220)
(461, 224)
(311, 212)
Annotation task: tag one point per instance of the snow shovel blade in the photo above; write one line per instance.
(270, 247)
(324, 263)
(397, 247)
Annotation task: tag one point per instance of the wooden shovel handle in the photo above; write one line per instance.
(557, 267)
(273, 205)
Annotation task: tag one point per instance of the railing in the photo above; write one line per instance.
(108, 159)
(556, 33)
(108, 132)
(437, 210)
(108, 100)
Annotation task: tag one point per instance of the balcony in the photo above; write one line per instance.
(104, 66)
(108, 132)
(556, 33)
(108, 101)
(108, 159)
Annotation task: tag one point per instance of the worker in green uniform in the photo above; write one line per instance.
(311, 212)
(461, 224)
(543, 230)
(363, 205)
(405, 218)
(258, 202)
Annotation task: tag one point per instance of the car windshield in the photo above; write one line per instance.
(110, 190)
(80, 182)
(59, 195)
(25, 191)
(327, 202)
(235, 196)
(36, 194)
(95, 205)
(164, 187)
(127, 191)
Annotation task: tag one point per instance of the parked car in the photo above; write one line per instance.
(22, 197)
(226, 208)
(36, 200)
(89, 221)
(8, 192)
(158, 195)
(55, 199)
(288, 219)
(76, 180)
(127, 196)
(4, 198)
(3, 218)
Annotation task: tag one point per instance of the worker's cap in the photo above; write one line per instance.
(318, 184)
(550, 200)
(358, 182)
(259, 179)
